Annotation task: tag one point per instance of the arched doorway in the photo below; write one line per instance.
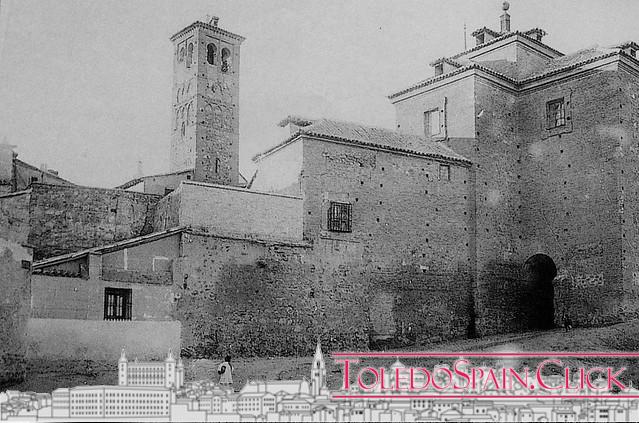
(539, 272)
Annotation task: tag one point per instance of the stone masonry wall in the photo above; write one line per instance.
(14, 216)
(258, 299)
(500, 296)
(15, 285)
(56, 297)
(167, 211)
(572, 175)
(26, 174)
(66, 219)
(414, 227)
(238, 212)
(536, 191)
(628, 191)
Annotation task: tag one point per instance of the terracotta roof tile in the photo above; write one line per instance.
(486, 30)
(358, 134)
(510, 72)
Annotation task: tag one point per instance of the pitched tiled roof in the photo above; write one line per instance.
(357, 134)
(457, 71)
(510, 73)
(295, 120)
(630, 44)
(538, 31)
(46, 171)
(136, 181)
(503, 37)
(566, 62)
(486, 30)
(446, 60)
(131, 242)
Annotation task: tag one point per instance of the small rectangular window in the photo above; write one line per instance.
(556, 113)
(444, 172)
(340, 217)
(117, 304)
(432, 123)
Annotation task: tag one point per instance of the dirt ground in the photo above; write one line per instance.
(45, 377)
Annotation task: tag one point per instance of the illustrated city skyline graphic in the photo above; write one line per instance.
(157, 391)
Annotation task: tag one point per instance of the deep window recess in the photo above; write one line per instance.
(226, 60)
(117, 304)
(340, 217)
(189, 55)
(211, 52)
(556, 113)
(444, 172)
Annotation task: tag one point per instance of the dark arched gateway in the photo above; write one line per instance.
(539, 272)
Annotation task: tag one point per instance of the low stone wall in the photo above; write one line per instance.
(100, 339)
(65, 219)
(239, 212)
(15, 261)
(76, 298)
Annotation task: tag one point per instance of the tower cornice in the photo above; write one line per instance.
(217, 30)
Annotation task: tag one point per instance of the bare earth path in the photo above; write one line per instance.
(45, 377)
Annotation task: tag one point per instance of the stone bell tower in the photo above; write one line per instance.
(205, 127)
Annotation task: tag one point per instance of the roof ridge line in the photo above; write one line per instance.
(80, 253)
(503, 37)
(517, 82)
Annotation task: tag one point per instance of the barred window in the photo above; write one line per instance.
(340, 217)
(444, 172)
(117, 304)
(556, 113)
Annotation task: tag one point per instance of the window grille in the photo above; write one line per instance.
(117, 304)
(340, 217)
(444, 172)
(556, 113)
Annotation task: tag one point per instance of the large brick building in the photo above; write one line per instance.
(503, 201)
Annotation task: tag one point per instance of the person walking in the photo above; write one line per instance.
(225, 370)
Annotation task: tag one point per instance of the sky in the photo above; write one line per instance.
(85, 85)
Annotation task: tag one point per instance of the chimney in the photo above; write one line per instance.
(505, 18)
(214, 21)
